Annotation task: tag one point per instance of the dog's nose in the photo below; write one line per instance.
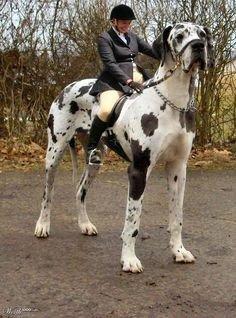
(198, 45)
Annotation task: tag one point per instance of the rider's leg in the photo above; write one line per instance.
(97, 128)
(107, 101)
(99, 124)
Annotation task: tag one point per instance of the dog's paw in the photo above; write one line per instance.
(181, 255)
(42, 229)
(131, 264)
(88, 228)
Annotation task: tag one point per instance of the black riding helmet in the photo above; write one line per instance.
(122, 12)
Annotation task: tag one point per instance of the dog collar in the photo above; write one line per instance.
(190, 106)
(168, 74)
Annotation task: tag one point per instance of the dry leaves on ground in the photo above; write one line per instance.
(15, 154)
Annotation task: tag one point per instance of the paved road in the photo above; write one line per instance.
(70, 275)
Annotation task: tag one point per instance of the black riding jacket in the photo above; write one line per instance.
(118, 58)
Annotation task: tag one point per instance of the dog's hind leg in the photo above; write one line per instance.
(59, 135)
(176, 178)
(90, 172)
(73, 153)
(86, 226)
(53, 156)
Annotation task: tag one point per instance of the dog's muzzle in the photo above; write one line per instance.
(198, 54)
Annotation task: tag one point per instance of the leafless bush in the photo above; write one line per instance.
(216, 90)
(45, 45)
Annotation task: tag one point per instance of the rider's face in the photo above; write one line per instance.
(122, 26)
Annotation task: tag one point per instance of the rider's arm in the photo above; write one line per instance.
(147, 49)
(109, 61)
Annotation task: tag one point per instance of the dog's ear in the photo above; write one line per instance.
(161, 46)
(157, 47)
(210, 49)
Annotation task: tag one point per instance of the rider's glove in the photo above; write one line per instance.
(136, 86)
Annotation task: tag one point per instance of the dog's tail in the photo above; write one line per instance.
(73, 153)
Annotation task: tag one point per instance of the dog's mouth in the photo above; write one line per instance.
(198, 61)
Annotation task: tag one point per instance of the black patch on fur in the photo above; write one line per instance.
(59, 99)
(175, 178)
(163, 107)
(135, 233)
(73, 107)
(179, 26)
(51, 127)
(126, 136)
(174, 44)
(89, 112)
(161, 46)
(166, 47)
(83, 90)
(210, 48)
(68, 88)
(182, 119)
(187, 31)
(83, 195)
(137, 171)
(72, 143)
(149, 124)
(190, 121)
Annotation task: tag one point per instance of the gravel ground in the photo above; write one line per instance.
(71, 275)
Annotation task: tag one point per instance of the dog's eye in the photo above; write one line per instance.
(179, 37)
(202, 34)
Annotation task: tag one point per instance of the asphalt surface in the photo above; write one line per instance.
(71, 275)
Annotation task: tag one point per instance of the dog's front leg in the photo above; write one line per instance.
(137, 183)
(129, 260)
(176, 178)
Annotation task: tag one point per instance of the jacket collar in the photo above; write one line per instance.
(116, 37)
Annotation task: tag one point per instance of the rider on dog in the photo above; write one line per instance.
(117, 48)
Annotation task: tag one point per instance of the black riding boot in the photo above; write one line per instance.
(94, 155)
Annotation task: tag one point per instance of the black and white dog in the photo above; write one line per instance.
(155, 125)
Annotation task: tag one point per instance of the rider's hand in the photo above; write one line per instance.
(136, 86)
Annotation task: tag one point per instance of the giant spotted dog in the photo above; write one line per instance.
(156, 125)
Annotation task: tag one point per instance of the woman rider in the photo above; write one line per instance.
(117, 48)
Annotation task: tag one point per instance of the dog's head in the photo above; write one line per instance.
(189, 43)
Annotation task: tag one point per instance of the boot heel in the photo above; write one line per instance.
(95, 157)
